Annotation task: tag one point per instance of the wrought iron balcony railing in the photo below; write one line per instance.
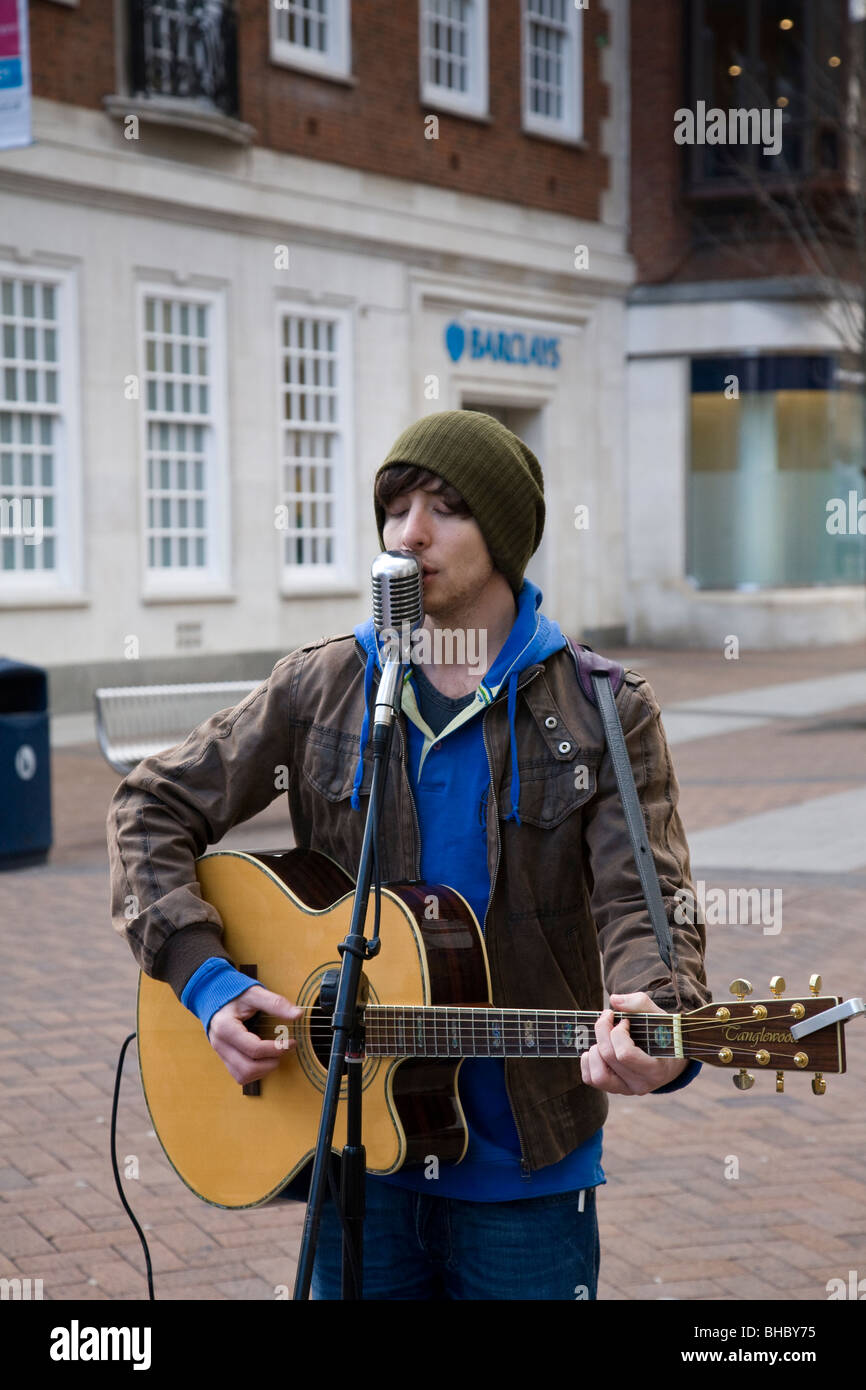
(186, 49)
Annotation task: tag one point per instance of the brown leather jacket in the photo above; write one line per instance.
(563, 882)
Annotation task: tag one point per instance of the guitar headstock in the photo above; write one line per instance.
(739, 1035)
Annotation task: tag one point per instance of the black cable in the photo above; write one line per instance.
(117, 1181)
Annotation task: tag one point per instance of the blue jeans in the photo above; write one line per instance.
(419, 1247)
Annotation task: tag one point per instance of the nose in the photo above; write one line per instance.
(414, 529)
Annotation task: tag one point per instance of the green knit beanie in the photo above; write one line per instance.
(498, 477)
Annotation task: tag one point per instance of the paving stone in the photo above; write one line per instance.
(246, 1289)
(18, 1238)
(795, 1217)
(11, 1179)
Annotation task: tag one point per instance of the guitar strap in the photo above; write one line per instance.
(599, 680)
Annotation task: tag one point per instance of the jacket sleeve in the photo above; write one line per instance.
(625, 933)
(173, 805)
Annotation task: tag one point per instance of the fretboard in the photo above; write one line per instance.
(397, 1030)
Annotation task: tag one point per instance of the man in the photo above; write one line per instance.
(500, 786)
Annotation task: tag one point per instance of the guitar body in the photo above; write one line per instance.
(428, 1007)
(284, 916)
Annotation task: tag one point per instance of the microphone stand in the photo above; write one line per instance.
(347, 1047)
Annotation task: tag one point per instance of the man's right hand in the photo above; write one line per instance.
(247, 1056)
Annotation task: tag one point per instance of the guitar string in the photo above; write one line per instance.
(550, 1015)
(511, 1034)
(467, 1015)
(383, 1049)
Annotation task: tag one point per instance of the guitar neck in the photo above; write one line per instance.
(449, 1031)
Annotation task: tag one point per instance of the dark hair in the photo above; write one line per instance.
(405, 477)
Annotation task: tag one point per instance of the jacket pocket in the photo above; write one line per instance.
(551, 788)
(331, 760)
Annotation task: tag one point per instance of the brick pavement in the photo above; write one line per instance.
(673, 1225)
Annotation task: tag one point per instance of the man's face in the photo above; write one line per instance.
(450, 548)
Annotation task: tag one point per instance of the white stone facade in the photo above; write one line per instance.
(395, 263)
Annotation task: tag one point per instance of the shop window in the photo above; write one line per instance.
(776, 456)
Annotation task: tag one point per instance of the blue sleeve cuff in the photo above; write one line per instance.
(214, 984)
(684, 1078)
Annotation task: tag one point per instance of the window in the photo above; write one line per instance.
(312, 34)
(184, 443)
(39, 490)
(315, 461)
(453, 50)
(552, 69)
(785, 58)
(186, 49)
(775, 459)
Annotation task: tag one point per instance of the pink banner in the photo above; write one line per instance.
(10, 34)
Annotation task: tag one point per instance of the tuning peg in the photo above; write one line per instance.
(819, 1085)
(780, 1081)
(777, 985)
(744, 1081)
(815, 984)
(740, 988)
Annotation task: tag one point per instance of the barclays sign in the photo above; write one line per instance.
(501, 346)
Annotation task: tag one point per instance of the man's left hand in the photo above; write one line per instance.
(616, 1064)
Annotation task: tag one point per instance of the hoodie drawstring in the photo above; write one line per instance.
(515, 776)
(365, 729)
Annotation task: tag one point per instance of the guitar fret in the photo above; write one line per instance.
(453, 1031)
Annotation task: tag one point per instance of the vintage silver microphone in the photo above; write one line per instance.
(398, 611)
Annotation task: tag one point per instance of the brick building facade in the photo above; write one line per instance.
(261, 239)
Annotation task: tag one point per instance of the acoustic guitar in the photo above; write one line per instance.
(428, 1007)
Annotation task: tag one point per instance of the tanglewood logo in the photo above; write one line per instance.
(757, 1035)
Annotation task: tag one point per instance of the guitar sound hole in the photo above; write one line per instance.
(321, 1034)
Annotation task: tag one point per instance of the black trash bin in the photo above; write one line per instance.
(25, 765)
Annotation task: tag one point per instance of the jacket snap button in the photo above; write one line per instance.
(565, 748)
(550, 722)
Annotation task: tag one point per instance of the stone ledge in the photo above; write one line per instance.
(179, 111)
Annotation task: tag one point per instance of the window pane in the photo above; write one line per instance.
(771, 474)
(172, 442)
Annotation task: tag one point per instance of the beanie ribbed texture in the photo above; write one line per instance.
(499, 478)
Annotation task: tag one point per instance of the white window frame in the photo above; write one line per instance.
(341, 576)
(66, 578)
(336, 61)
(570, 127)
(475, 101)
(212, 580)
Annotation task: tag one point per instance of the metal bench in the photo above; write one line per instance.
(135, 721)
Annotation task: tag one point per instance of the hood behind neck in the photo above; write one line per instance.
(532, 639)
